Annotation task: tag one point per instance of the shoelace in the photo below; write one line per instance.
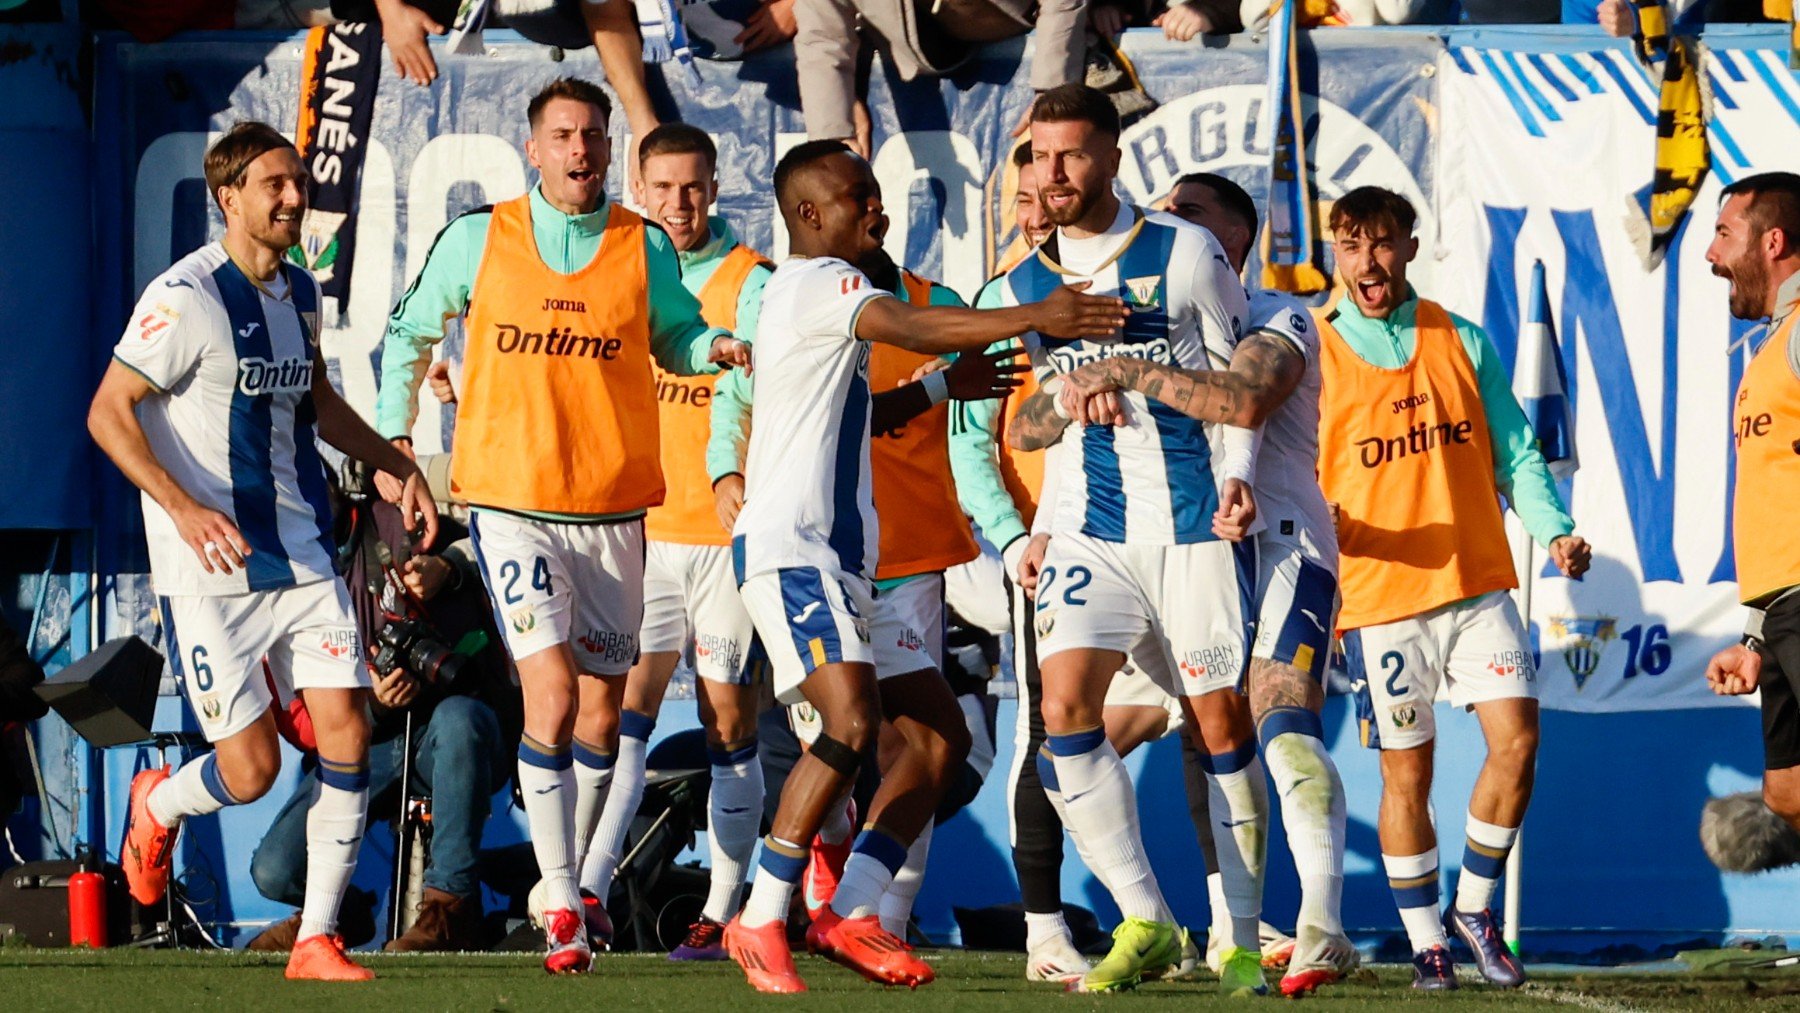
(1490, 931)
(703, 934)
(1438, 962)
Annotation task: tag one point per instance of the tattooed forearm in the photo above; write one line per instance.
(1037, 425)
(1264, 371)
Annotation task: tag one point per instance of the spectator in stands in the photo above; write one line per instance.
(918, 38)
(1619, 17)
(1180, 21)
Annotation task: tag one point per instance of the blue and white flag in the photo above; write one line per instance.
(1540, 383)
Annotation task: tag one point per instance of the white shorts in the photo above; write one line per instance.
(1190, 603)
(217, 646)
(977, 591)
(1296, 607)
(691, 597)
(909, 626)
(1477, 650)
(807, 617)
(553, 583)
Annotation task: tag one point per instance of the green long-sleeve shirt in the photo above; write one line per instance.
(679, 339)
(1519, 469)
(974, 427)
(697, 269)
(731, 409)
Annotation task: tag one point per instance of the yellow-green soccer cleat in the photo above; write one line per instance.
(1241, 973)
(1141, 948)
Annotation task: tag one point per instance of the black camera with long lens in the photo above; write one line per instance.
(413, 645)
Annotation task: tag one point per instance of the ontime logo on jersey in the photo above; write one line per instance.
(1421, 438)
(557, 341)
(261, 376)
(1068, 358)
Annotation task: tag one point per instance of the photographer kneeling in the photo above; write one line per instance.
(435, 658)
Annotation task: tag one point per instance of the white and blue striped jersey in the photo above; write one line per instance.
(1152, 481)
(233, 421)
(1288, 498)
(807, 499)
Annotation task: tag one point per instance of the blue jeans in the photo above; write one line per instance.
(456, 760)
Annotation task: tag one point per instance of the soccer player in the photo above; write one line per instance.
(1273, 382)
(690, 596)
(567, 298)
(1756, 247)
(1138, 562)
(923, 533)
(211, 406)
(805, 545)
(1416, 399)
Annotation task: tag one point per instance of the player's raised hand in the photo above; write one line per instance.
(980, 376)
(418, 509)
(1735, 671)
(1069, 312)
(1237, 510)
(438, 376)
(728, 498)
(1572, 555)
(212, 536)
(729, 352)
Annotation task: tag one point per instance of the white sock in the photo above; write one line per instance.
(874, 861)
(334, 830)
(779, 871)
(1238, 800)
(1043, 927)
(836, 829)
(897, 903)
(1053, 792)
(593, 780)
(1312, 809)
(547, 783)
(1100, 808)
(608, 846)
(1414, 880)
(1220, 927)
(734, 816)
(194, 790)
(1484, 859)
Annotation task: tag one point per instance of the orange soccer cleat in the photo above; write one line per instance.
(321, 958)
(565, 934)
(764, 955)
(826, 866)
(145, 855)
(862, 945)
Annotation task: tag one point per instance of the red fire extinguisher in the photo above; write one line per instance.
(87, 903)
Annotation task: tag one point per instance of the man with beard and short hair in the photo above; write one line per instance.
(211, 406)
(1756, 247)
(805, 548)
(568, 298)
(1147, 556)
(1273, 381)
(1417, 399)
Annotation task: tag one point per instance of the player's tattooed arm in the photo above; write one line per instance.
(1038, 424)
(1264, 370)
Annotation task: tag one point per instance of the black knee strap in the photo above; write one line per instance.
(836, 755)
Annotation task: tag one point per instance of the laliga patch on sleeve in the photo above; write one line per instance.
(156, 323)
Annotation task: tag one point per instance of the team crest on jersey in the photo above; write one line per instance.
(861, 626)
(523, 619)
(1584, 640)
(1046, 621)
(209, 707)
(1404, 715)
(1140, 293)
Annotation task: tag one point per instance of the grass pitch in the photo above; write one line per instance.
(138, 982)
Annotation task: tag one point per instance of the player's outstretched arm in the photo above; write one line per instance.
(979, 376)
(1067, 312)
(340, 426)
(1264, 371)
(113, 422)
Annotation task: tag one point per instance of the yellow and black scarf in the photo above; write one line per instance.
(1683, 155)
